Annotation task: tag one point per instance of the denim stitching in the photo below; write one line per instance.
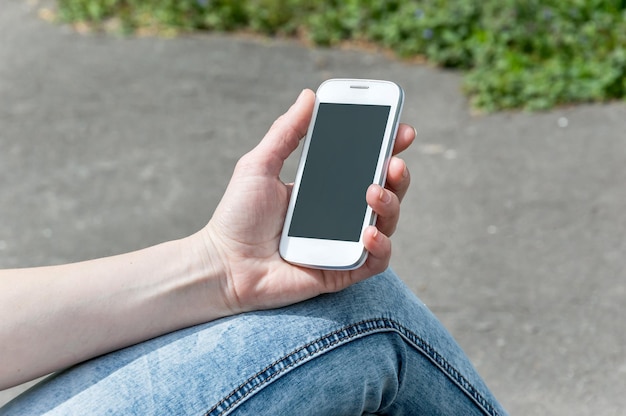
(318, 346)
(448, 369)
(283, 364)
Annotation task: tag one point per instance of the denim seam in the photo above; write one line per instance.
(340, 336)
(448, 369)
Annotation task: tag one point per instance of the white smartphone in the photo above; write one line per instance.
(347, 148)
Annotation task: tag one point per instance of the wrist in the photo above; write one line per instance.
(206, 266)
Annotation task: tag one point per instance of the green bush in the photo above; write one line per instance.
(531, 54)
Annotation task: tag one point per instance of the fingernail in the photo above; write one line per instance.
(414, 132)
(301, 94)
(384, 196)
(405, 172)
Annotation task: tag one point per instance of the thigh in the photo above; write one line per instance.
(375, 339)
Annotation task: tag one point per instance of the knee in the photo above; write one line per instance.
(359, 377)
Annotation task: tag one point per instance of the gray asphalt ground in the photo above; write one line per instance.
(514, 231)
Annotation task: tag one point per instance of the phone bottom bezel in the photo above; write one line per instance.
(323, 254)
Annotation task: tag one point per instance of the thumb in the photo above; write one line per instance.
(285, 134)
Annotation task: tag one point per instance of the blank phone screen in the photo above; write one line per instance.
(340, 166)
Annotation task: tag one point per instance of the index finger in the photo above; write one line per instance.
(404, 137)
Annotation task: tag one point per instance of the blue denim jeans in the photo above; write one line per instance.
(373, 348)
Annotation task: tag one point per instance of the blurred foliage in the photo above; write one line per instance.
(531, 54)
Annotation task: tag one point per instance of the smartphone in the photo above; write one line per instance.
(347, 148)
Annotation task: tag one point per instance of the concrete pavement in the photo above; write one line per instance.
(514, 231)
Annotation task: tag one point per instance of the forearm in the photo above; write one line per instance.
(57, 316)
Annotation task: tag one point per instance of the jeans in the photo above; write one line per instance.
(373, 348)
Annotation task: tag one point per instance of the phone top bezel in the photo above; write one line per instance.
(337, 254)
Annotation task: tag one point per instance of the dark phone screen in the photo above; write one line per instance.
(340, 166)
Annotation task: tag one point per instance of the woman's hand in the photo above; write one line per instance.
(57, 316)
(243, 235)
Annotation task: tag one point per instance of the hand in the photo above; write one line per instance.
(244, 232)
